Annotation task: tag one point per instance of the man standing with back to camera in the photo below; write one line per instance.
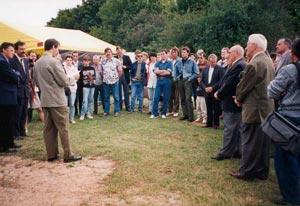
(51, 78)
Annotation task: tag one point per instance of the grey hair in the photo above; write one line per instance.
(212, 56)
(239, 49)
(259, 39)
(96, 57)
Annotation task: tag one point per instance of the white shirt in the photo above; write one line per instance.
(210, 73)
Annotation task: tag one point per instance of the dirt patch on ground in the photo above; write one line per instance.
(27, 182)
(30, 182)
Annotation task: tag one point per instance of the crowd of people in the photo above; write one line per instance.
(239, 88)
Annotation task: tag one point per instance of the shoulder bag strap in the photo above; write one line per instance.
(297, 65)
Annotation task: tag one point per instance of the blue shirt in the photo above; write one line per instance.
(166, 65)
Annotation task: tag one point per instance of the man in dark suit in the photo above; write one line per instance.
(211, 77)
(8, 102)
(232, 114)
(125, 78)
(20, 64)
(79, 95)
(251, 93)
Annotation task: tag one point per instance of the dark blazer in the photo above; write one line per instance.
(143, 71)
(126, 62)
(23, 86)
(227, 86)
(215, 80)
(8, 83)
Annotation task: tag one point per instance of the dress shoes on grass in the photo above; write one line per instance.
(16, 146)
(183, 118)
(284, 202)
(53, 159)
(240, 176)
(8, 150)
(72, 159)
(219, 157)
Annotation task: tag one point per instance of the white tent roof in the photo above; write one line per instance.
(35, 36)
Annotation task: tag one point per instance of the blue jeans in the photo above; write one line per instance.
(151, 92)
(88, 95)
(114, 88)
(71, 100)
(287, 167)
(137, 91)
(163, 86)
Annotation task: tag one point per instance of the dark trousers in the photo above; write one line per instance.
(232, 134)
(98, 88)
(124, 90)
(20, 117)
(213, 111)
(6, 126)
(255, 152)
(174, 97)
(78, 100)
(186, 89)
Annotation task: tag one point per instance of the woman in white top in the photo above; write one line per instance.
(71, 70)
(151, 83)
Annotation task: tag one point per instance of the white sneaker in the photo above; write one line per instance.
(175, 115)
(152, 117)
(72, 121)
(169, 114)
(163, 116)
(81, 118)
(89, 116)
(198, 120)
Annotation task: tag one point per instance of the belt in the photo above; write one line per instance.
(161, 78)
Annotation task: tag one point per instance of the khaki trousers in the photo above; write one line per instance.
(56, 122)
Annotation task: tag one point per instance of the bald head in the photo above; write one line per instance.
(236, 52)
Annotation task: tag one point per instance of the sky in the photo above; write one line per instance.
(33, 12)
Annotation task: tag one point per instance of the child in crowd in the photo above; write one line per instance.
(200, 103)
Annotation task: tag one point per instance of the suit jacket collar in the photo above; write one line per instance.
(262, 53)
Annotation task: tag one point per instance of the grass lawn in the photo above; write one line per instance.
(160, 157)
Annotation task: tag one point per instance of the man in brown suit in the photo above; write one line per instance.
(51, 78)
(251, 94)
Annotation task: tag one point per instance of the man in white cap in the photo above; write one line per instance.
(251, 92)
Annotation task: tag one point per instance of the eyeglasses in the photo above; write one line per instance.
(139, 56)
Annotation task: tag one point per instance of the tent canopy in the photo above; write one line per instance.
(35, 36)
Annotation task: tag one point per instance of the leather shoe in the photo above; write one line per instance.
(220, 157)
(191, 120)
(206, 126)
(72, 159)
(18, 138)
(8, 150)
(238, 175)
(183, 118)
(16, 146)
(53, 159)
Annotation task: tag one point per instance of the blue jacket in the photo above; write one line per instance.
(215, 80)
(189, 70)
(143, 71)
(286, 88)
(23, 86)
(8, 83)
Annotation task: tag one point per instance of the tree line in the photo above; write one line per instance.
(150, 25)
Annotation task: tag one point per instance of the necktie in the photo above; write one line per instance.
(22, 63)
